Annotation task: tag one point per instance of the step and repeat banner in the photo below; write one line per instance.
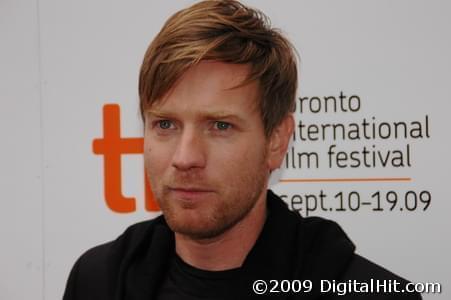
(371, 147)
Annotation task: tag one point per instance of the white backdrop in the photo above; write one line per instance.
(61, 62)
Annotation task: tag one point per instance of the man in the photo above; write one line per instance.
(217, 91)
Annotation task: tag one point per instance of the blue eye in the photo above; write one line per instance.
(222, 125)
(164, 124)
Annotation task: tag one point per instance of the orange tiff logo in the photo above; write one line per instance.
(112, 146)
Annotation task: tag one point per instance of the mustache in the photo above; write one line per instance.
(188, 180)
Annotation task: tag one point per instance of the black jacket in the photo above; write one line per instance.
(289, 247)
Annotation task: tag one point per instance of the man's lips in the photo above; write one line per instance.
(190, 193)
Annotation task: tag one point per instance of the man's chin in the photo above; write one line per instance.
(196, 227)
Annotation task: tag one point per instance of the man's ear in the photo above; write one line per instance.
(279, 141)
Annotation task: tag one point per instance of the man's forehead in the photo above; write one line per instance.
(213, 87)
(210, 114)
(223, 77)
(236, 73)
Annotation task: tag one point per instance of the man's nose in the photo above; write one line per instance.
(190, 151)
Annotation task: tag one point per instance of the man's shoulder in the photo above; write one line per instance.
(97, 270)
(362, 268)
(364, 274)
(132, 236)
(326, 254)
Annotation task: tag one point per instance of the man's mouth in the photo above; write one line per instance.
(189, 193)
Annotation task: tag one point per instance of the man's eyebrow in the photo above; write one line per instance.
(158, 113)
(222, 115)
(218, 115)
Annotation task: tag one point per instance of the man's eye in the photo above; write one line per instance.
(222, 125)
(164, 124)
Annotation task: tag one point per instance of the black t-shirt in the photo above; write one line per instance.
(185, 282)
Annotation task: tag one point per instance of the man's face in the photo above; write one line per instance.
(205, 150)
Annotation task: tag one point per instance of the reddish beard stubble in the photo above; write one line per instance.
(222, 206)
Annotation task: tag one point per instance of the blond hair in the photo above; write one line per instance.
(225, 31)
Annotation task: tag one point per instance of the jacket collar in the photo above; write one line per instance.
(289, 247)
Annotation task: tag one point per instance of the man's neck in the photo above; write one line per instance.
(228, 250)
